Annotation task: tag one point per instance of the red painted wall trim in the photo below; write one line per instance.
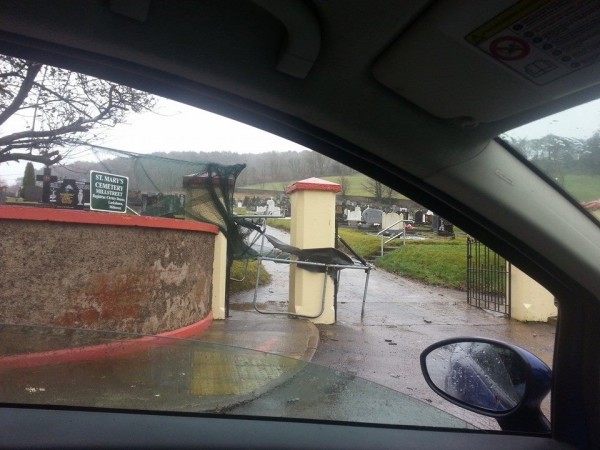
(99, 218)
(110, 350)
(314, 184)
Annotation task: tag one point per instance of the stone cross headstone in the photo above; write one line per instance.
(355, 216)
(46, 178)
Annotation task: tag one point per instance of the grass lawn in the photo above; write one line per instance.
(238, 272)
(366, 245)
(282, 224)
(441, 264)
(18, 201)
(584, 188)
(436, 261)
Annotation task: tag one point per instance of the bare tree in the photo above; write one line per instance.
(315, 164)
(375, 188)
(296, 166)
(343, 181)
(53, 108)
(275, 166)
(388, 193)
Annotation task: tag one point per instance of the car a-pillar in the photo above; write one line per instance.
(312, 226)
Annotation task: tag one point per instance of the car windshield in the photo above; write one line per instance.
(159, 257)
(566, 147)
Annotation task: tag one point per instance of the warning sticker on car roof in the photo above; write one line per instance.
(543, 40)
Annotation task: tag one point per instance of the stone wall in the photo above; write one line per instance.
(120, 278)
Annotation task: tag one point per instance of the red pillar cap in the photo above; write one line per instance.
(314, 184)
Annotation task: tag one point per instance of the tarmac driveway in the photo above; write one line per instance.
(402, 317)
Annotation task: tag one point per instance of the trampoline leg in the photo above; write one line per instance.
(362, 311)
(258, 266)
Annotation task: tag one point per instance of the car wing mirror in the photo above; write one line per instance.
(491, 378)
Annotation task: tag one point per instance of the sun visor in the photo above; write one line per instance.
(485, 61)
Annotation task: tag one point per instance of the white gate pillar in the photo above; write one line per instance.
(312, 226)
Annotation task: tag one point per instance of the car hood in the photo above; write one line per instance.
(83, 368)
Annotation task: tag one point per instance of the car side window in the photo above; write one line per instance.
(143, 238)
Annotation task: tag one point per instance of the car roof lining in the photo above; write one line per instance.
(207, 42)
(178, 37)
(435, 65)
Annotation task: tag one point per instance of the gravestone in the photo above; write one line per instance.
(419, 217)
(272, 210)
(372, 217)
(429, 216)
(354, 217)
(435, 223)
(46, 178)
(445, 228)
(391, 219)
(69, 193)
(441, 226)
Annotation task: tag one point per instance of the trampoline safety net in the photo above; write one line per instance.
(165, 187)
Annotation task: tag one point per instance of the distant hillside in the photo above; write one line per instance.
(573, 164)
(272, 167)
(355, 185)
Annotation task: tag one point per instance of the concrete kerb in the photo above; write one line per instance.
(311, 339)
(269, 372)
(313, 343)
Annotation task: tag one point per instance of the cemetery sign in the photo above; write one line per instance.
(108, 192)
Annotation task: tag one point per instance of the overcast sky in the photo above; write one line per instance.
(579, 122)
(177, 127)
(174, 126)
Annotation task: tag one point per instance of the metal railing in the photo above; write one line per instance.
(395, 236)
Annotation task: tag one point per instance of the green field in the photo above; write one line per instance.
(584, 188)
(355, 185)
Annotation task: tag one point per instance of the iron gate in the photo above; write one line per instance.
(488, 278)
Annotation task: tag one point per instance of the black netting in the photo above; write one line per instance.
(165, 187)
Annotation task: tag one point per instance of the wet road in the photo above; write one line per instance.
(402, 317)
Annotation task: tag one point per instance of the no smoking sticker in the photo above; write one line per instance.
(509, 48)
(542, 41)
